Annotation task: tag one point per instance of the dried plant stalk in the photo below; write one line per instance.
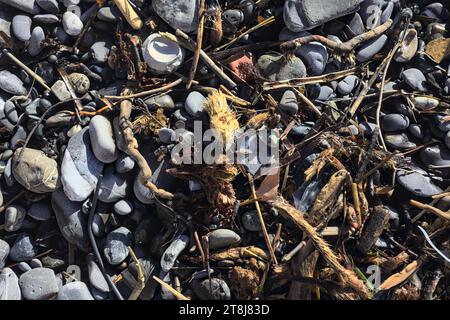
(298, 218)
(141, 279)
(401, 276)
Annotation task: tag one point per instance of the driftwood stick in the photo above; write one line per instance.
(198, 48)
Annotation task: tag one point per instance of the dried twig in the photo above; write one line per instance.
(169, 288)
(198, 48)
(140, 284)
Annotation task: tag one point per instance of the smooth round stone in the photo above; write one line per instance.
(288, 103)
(123, 207)
(96, 278)
(113, 187)
(11, 83)
(166, 135)
(40, 211)
(234, 17)
(425, 103)
(315, 57)
(409, 47)
(99, 51)
(416, 131)
(75, 290)
(275, 67)
(325, 93)
(417, 182)
(437, 155)
(398, 141)
(23, 248)
(223, 238)
(37, 37)
(194, 104)
(35, 171)
(125, 163)
(50, 6)
(38, 284)
(371, 48)
(4, 252)
(9, 285)
(161, 101)
(163, 56)
(415, 79)
(23, 266)
(79, 82)
(14, 216)
(102, 139)
(447, 140)
(36, 263)
(80, 168)
(72, 24)
(98, 225)
(172, 252)
(21, 27)
(394, 122)
(116, 245)
(347, 85)
(356, 25)
(220, 289)
(250, 221)
(108, 14)
(72, 222)
(11, 112)
(179, 14)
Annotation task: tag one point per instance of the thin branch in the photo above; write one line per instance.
(198, 48)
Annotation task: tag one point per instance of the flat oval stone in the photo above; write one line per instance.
(415, 79)
(14, 216)
(38, 284)
(80, 82)
(325, 93)
(96, 278)
(315, 57)
(116, 245)
(75, 290)
(80, 168)
(21, 27)
(23, 266)
(72, 24)
(172, 252)
(371, 48)
(4, 252)
(437, 155)
(71, 220)
(394, 122)
(102, 139)
(288, 103)
(180, 14)
(45, 18)
(98, 225)
(124, 163)
(35, 171)
(113, 187)
(166, 135)
(9, 285)
(416, 130)
(223, 238)
(123, 207)
(194, 104)
(36, 263)
(425, 103)
(347, 85)
(23, 248)
(356, 25)
(162, 55)
(417, 182)
(11, 83)
(37, 37)
(250, 221)
(40, 211)
(220, 289)
(398, 141)
(49, 5)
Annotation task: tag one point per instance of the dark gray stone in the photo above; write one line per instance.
(436, 155)
(113, 187)
(40, 211)
(250, 221)
(28, 6)
(394, 122)
(223, 238)
(23, 248)
(371, 48)
(116, 245)
(220, 289)
(96, 278)
(288, 103)
(172, 252)
(14, 216)
(275, 67)
(417, 182)
(50, 6)
(347, 85)
(415, 79)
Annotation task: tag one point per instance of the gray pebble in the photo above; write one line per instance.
(222, 238)
(220, 289)
(11, 112)
(194, 104)
(325, 93)
(436, 155)
(356, 25)
(11, 83)
(417, 182)
(398, 141)
(99, 51)
(23, 248)
(172, 252)
(447, 140)
(161, 101)
(275, 67)
(371, 48)
(113, 187)
(9, 285)
(250, 221)
(14, 216)
(180, 14)
(40, 211)
(124, 163)
(108, 14)
(72, 24)
(347, 85)
(116, 245)
(21, 27)
(315, 57)
(394, 122)
(50, 6)
(166, 135)
(123, 207)
(288, 103)
(36, 263)
(4, 252)
(96, 278)
(37, 37)
(102, 139)
(23, 266)
(416, 130)
(98, 225)
(76, 290)
(29, 6)
(38, 284)
(415, 79)
(76, 10)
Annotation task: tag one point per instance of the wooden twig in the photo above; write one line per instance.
(261, 220)
(147, 92)
(129, 13)
(169, 288)
(441, 214)
(205, 240)
(140, 277)
(65, 77)
(200, 248)
(198, 48)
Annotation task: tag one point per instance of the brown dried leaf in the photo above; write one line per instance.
(438, 49)
(401, 276)
(268, 190)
